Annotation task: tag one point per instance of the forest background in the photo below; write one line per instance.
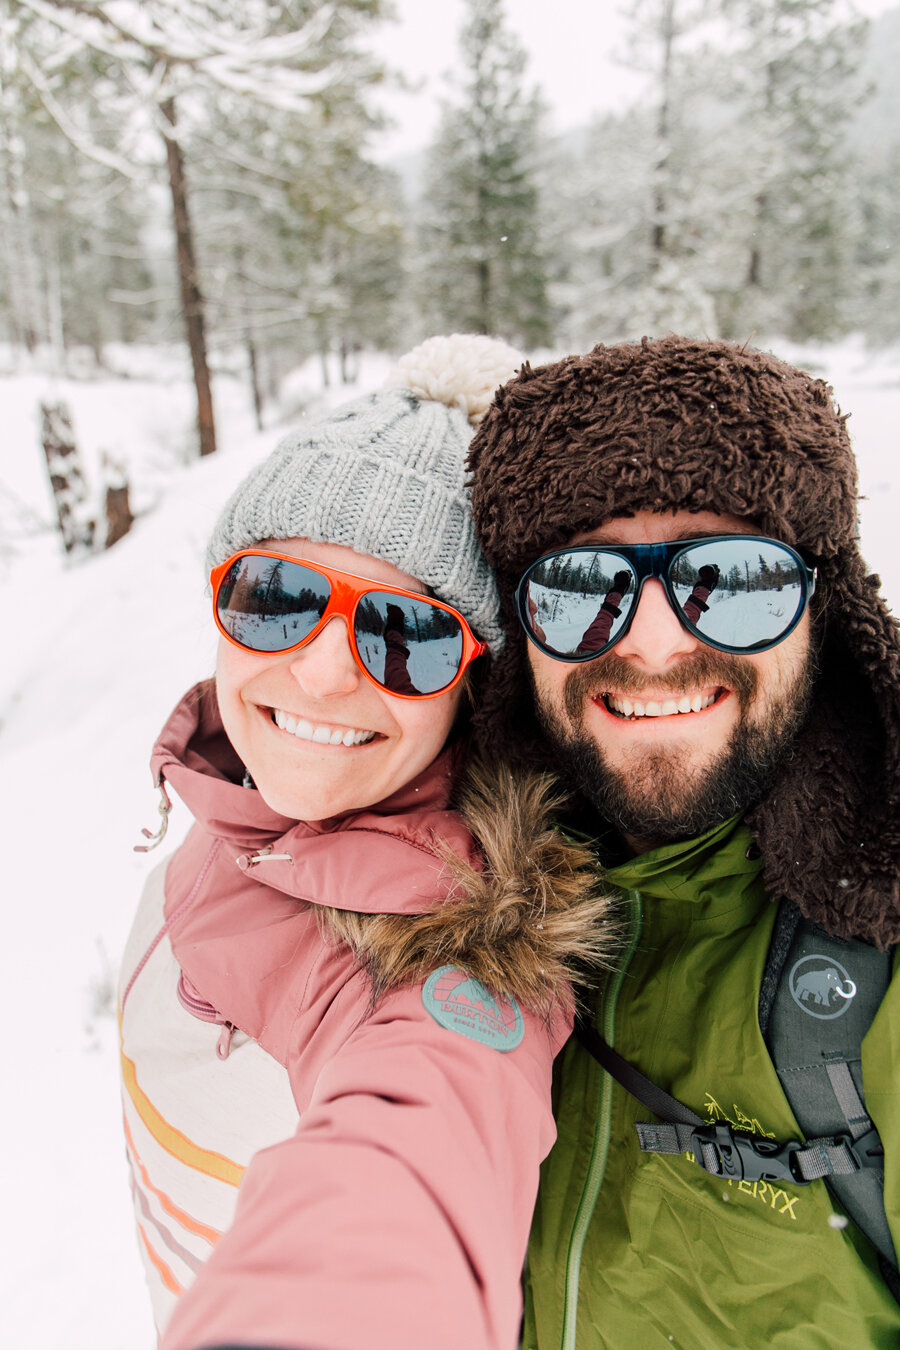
(180, 169)
(208, 230)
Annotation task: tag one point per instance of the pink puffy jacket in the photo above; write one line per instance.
(312, 1168)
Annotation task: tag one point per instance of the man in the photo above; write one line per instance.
(732, 733)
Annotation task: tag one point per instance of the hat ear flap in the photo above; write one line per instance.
(830, 829)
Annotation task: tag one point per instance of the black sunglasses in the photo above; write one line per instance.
(739, 593)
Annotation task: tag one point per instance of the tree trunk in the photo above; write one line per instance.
(661, 168)
(191, 297)
(55, 322)
(761, 203)
(255, 389)
(17, 235)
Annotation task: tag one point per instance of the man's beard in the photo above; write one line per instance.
(653, 797)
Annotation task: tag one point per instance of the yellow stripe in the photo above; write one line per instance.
(173, 1141)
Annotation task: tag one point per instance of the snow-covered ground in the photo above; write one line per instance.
(94, 657)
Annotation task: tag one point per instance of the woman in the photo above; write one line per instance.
(339, 1015)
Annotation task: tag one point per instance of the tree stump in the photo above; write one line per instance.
(70, 493)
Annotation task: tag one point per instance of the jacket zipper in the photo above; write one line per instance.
(600, 1147)
(198, 1007)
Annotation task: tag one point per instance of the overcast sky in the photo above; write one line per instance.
(571, 44)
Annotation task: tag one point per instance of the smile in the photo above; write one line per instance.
(319, 732)
(632, 709)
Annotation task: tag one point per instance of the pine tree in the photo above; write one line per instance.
(70, 221)
(722, 203)
(167, 62)
(636, 261)
(793, 89)
(484, 268)
(301, 234)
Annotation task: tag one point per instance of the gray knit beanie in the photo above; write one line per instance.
(385, 475)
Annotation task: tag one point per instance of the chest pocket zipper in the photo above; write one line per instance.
(190, 999)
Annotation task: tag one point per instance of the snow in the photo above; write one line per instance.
(96, 653)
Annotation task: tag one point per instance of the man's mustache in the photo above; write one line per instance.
(615, 674)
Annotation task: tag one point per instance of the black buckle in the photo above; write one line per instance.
(866, 1151)
(746, 1157)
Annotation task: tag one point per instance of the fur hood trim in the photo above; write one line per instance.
(526, 926)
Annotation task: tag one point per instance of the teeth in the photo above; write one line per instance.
(321, 734)
(627, 707)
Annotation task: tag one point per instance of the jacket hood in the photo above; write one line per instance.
(677, 424)
(403, 883)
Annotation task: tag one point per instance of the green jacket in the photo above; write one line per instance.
(642, 1250)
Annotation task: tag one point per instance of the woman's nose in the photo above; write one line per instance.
(656, 637)
(326, 666)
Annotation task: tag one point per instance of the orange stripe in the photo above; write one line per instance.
(173, 1141)
(165, 1273)
(211, 1235)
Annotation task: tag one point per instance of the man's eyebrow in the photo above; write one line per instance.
(601, 537)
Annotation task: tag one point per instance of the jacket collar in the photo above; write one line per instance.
(405, 837)
(691, 868)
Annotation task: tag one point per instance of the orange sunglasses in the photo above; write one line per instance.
(407, 644)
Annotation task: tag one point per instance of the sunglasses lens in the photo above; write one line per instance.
(408, 646)
(268, 604)
(741, 594)
(577, 603)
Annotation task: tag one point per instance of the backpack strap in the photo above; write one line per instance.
(819, 995)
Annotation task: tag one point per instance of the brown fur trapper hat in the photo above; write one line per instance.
(678, 424)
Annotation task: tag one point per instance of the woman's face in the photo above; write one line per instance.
(322, 689)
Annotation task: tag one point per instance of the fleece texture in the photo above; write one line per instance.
(677, 424)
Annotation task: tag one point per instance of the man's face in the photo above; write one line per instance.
(673, 775)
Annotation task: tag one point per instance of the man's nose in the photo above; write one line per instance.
(326, 666)
(656, 637)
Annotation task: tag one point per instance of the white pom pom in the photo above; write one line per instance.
(463, 370)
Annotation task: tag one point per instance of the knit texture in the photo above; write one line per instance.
(385, 476)
(676, 424)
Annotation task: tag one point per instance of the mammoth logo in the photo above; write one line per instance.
(821, 986)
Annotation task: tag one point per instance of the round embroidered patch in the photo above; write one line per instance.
(462, 1004)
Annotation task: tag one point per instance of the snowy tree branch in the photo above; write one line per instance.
(84, 144)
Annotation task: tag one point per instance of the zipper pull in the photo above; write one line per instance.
(223, 1045)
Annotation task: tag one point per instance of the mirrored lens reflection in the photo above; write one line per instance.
(268, 604)
(576, 603)
(740, 593)
(409, 646)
